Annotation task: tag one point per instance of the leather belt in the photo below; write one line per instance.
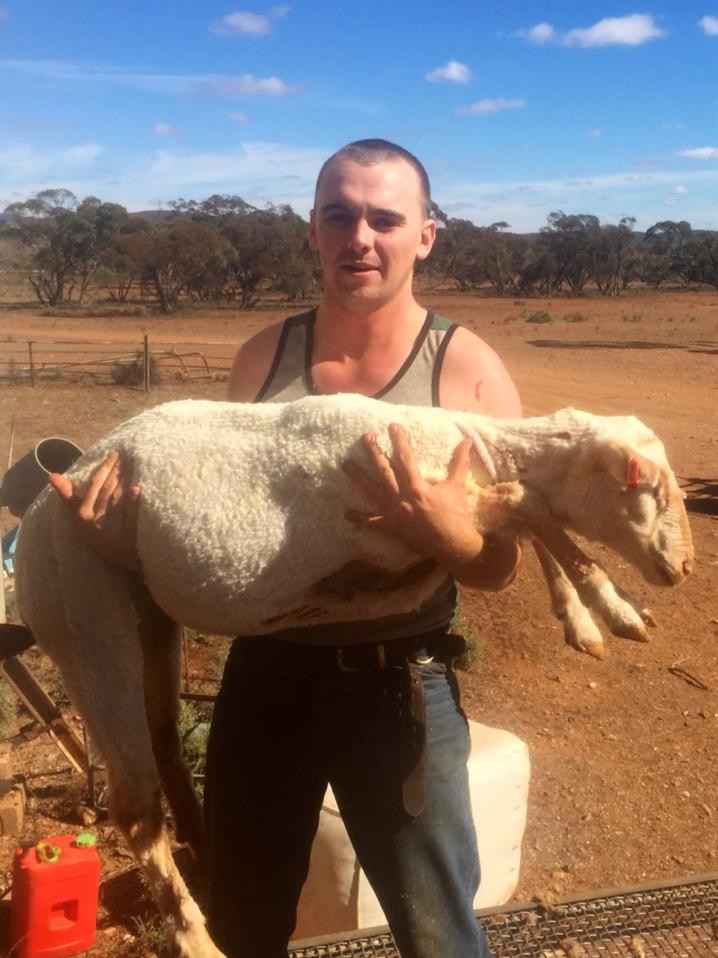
(408, 655)
(420, 649)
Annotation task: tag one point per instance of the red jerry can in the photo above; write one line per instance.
(55, 884)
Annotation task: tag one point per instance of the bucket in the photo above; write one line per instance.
(26, 479)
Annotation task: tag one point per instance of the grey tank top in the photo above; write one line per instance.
(416, 383)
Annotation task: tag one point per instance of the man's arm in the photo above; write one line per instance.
(434, 519)
(474, 379)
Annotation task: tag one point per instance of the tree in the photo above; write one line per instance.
(569, 239)
(611, 249)
(176, 258)
(666, 243)
(103, 220)
(66, 240)
(46, 224)
(458, 253)
(123, 258)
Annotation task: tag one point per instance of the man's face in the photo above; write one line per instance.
(369, 228)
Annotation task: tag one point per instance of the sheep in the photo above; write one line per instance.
(242, 530)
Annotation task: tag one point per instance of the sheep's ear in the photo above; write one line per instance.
(628, 467)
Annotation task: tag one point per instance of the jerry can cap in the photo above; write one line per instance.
(85, 840)
(47, 853)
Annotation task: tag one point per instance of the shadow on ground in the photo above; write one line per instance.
(701, 496)
(710, 348)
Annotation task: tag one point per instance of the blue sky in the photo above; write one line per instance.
(517, 109)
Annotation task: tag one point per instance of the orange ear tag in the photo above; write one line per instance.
(633, 473)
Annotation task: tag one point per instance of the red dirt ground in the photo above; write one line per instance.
(624, 777)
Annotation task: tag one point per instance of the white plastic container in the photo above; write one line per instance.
(337, 896)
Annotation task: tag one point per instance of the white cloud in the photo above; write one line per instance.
(490, 105)
(709, 25)
(679, 190)
(249, 85)
(162, 129)
(237, 116)
(540, 33)
(526, 203)
(453, 72)
(631, 31)
(701, 153)
(595, 133)
(26, 170)
(165, 84)
(258, 171)
(242, 22)
(83, 155)
(245, 23)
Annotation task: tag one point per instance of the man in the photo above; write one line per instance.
(349, 704)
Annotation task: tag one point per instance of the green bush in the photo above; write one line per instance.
(193, 728)
(540, 316)
(132, 373)
(8, 711)
(576, 318)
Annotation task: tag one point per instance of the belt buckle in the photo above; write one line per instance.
(424, 659)
(380, 659)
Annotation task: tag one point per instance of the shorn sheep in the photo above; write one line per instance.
(242, 530)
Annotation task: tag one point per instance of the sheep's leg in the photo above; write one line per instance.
(161, 646)
(122, 735)
(102, 669)
(108, 693)
(579, 629)
(624, 615)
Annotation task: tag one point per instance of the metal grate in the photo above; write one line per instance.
(657, 921)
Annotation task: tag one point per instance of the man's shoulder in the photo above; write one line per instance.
(253, 361)
(474, 377)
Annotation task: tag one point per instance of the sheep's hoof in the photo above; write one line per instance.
(637, 633)
(648, 618)
(588, 644)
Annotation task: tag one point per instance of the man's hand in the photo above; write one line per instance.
(106, 516)
(433, 519)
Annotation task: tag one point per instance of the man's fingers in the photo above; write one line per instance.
(365, 519)
(365, 482)
(406, 470)
(104, 480)
(63, 487)
(460, 461)
(382, 467)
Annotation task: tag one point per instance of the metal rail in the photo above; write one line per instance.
(666, 920)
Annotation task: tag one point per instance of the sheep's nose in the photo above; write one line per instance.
(687, 566)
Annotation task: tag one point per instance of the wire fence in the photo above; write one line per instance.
(104, 361)
(679, 920)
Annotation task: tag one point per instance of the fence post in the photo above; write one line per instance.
(147, 362)
(32, 363)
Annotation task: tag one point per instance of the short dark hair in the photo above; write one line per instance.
(369, 152)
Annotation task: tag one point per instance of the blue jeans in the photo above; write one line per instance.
(286, 723)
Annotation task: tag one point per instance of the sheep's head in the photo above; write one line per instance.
(636, 507)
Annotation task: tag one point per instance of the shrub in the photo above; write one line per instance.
(132, 372)
(576, 318)
(540, 316)
(193, 728)
(8, 711)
